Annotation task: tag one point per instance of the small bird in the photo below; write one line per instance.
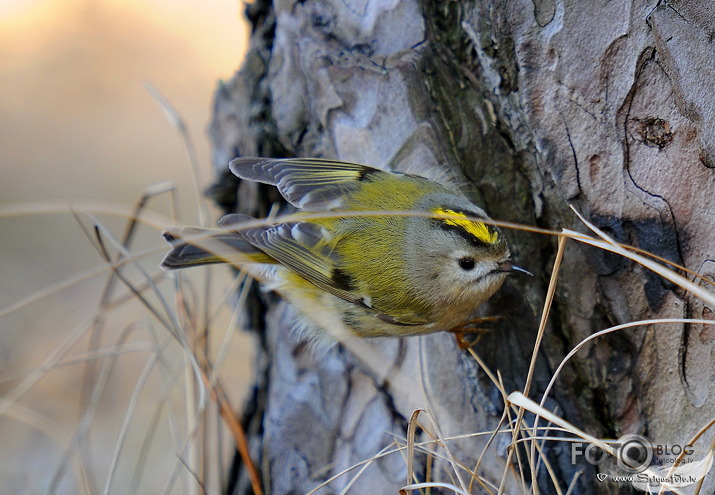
(395, 254)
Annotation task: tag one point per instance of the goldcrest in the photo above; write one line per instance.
(378, 275)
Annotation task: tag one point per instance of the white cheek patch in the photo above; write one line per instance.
(480, 270)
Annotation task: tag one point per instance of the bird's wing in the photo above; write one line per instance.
(300, 246)
(311, 184)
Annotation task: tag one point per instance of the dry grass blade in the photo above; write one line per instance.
(504, 418)
(236, 429)
(616, 328)
(96, 333)
(542, 459)
(52, 289)
(51, 430)
(362, 464)
(226, 411)
(681, 456)
(422, 446)
(518, 400)
(411, 430)
(524, 485)
(539, 336)
(49, 363)
(133, 221)
(99, 230)
(610, 245)
(243, 281)
(199, 353)
(450, 456)
(84, 276)
(131, 408)
(362, 469)
(210, 382)
(419, 486)
(178, 123)
(88, 412)
(75, 359)
(574, 480)
(492, 437)
(494, 379)
(141, 464)
(149, 218)
(706, 296)
(201, 367)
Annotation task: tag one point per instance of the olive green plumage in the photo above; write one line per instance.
(376, 274)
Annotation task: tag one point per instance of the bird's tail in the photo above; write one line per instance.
(192, 246)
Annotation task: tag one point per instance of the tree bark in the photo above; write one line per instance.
(533, 106)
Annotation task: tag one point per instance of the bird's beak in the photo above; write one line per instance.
(511, 268)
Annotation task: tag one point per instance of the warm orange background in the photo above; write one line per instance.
(77, 125)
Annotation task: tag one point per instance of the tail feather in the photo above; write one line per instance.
(195, 247)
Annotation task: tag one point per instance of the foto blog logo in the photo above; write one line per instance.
(634, 453)
(647, 467)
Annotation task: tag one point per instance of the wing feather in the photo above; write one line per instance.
(300, 246)
(312, 184)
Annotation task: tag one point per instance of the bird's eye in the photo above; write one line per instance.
(466, 264)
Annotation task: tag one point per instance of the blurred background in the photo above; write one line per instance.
(80, 132)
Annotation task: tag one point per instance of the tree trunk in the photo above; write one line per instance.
(534, 106)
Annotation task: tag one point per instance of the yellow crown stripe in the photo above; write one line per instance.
(476, 229)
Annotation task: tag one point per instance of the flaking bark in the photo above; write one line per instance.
(531, 106)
